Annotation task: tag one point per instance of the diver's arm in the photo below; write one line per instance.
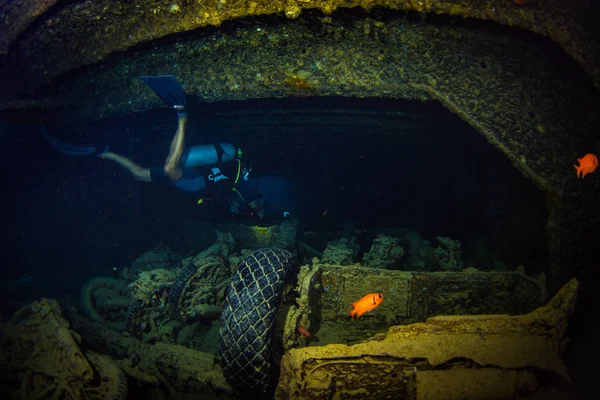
(172, 168)
(139, 173)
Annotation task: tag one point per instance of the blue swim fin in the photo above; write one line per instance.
(169, 90)
(66, 148)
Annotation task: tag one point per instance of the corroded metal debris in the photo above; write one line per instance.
(484, 356)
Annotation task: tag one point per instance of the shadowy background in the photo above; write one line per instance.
(67, 219)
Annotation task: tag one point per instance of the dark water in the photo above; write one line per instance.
(66, 219)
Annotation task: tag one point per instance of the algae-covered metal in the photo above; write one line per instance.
(40, 355)
(326, 293)
(483, 356)
(45, 42)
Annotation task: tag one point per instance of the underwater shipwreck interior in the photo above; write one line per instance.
(393, 199)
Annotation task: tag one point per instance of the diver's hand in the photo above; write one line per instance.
(216, 175)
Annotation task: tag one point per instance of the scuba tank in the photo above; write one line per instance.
(209, 154)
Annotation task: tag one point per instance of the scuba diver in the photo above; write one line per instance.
(182, 167)
(196, 169)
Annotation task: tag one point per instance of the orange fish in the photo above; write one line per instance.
(587, 164)
(366, 304)
(304, 332)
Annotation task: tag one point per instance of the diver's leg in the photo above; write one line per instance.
(139, 173)
(172, 168)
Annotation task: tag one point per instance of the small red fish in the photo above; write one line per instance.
(366, 304)
(304, 332)
(587, 165)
